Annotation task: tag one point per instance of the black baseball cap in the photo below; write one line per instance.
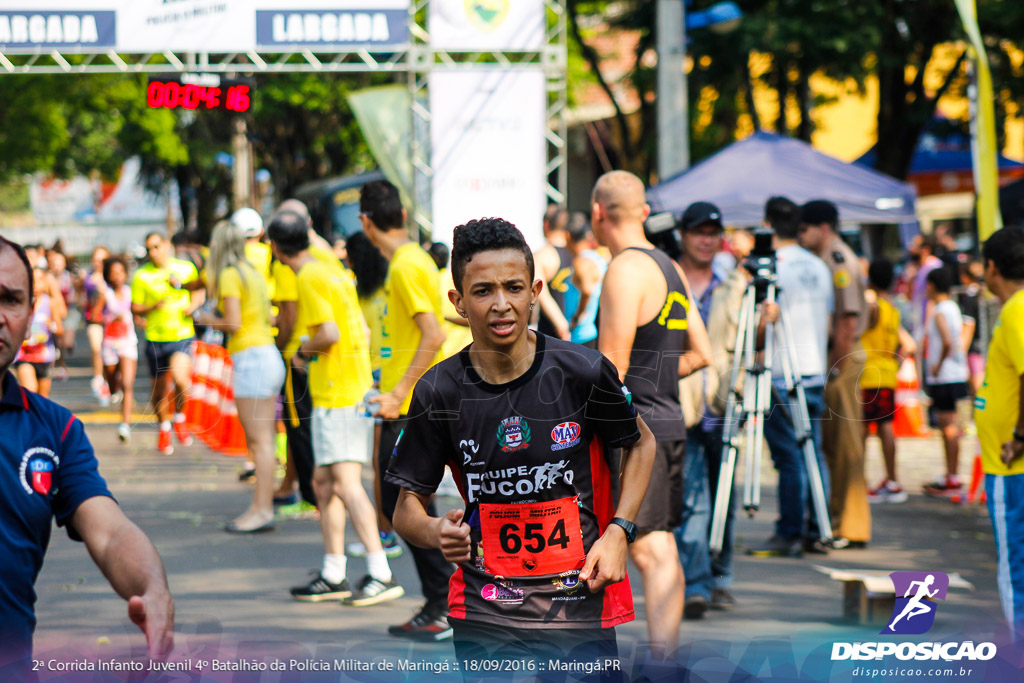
(701, 213)
(818, 211)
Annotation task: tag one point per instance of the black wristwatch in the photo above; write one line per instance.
(627, 526)
(1017, 436)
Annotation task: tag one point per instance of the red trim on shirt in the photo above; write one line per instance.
(24, 397)
(457, 595)
(617, 604)
(67, 428)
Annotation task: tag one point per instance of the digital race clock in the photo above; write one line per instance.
(199, 91)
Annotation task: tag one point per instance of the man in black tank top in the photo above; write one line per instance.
(645, 330)
(554, 268)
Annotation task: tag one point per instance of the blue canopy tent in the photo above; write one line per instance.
(741, 178)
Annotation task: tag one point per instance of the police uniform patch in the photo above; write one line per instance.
(842, 279)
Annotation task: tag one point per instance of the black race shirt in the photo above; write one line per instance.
(557, 287)
(532, 459)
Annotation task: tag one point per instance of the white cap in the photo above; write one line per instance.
(249, 220)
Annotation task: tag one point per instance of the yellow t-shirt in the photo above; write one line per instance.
(998, 401)
(880, 343)
(339, 377)
(286, 289)
(373, 311)
(260, 256)
(457, 337)
(412, 287)
(251, 292)
(152, 284)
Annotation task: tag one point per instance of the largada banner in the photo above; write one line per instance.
(145, 26)
(487, 149)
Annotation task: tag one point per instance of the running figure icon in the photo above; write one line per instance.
(914, 606)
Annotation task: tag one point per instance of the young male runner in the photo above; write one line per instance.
(334, 344)
(647, 331)
(411, 340)
(158, 295)
(525, 422)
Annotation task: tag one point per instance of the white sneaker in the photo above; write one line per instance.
(96, 384)
(887, 492)
(124, 432)
(116, 398)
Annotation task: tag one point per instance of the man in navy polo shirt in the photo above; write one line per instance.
(48, 470)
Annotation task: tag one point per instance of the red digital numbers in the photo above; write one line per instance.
(173, 94)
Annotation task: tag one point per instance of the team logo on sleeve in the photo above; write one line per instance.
(513, 434)
(38, 466)
(565, 435)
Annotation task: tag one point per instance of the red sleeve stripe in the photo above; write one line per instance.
(24, 397)
(67, 428)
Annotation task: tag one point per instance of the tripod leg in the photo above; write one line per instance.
(764, 393)
(730, 435)
(751, 409)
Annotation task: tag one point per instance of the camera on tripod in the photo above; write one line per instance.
(760, 263)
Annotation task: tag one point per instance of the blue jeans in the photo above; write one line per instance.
(700, 477)
(788, 456)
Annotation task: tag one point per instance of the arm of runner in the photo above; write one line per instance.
(1013, 448)
(131, 564)
(606, 561)
(550, 309)
(196, 298)
(967, 333)
(96, 314)
(449, 533)
(621, 296)
(431, 339)
(842, 342)
(586, 276)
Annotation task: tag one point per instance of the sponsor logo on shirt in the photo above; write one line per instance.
(565, 435)
(469, 448)
(502, 591)
(38, 466)
(517, 481)
(513, 434)
(568, 582)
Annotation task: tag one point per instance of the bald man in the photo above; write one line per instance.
(645, 329)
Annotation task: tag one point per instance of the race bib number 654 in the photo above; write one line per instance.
(532, 539)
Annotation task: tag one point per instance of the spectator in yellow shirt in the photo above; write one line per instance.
(258, 373)
(999, 416)
(411, 342)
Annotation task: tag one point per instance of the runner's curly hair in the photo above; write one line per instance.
(486, 234)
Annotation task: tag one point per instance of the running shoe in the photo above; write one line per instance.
(320, 589)
(124, 432)
(371, 591)
(104, 396)
(117, 397)
(96, 384)
(300, 510)
(945, 487)
(888, 491)
(181, 431)
(722, 599)
(425, 626)
(248, 472)
(695, 607)
(163, 442)
(392, 548)
(777, 546)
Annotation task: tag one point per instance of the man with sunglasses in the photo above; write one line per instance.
(160, 296)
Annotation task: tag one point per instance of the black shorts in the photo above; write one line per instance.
(486, 652)
(42, 369)
(945, 396)
(158, 354)
(662, 509)
(879, 404)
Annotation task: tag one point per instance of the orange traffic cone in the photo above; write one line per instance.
(214, 396)
(195, 402)
(232, 436)
(909, 417)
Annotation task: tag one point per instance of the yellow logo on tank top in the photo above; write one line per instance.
(560, 282)
(665, 318)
